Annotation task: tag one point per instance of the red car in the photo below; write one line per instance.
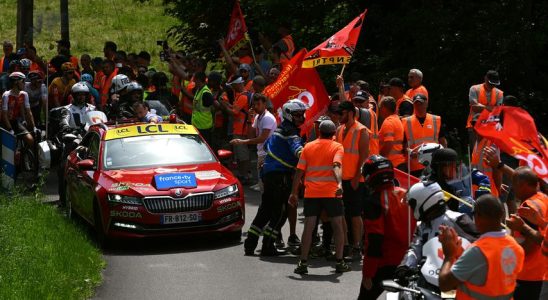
(138, 180)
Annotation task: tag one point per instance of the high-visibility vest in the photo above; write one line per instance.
(482, 99)
(186, 101)
(351, 144)
(98, 80)
(368, 118)
(220, 116)
(105, 87)
(544, 250)
(241, 117)
(288, 40)
(418, 90)
(404, 98)
(417, 134)
(535, 264)
(202, 118)
(396, 154)
(504, 261)
(478, 163)
(317, 160)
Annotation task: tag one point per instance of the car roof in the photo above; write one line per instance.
(112, 132)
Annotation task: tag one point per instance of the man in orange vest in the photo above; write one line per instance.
(488, 269)
(391, 134)
(404, 104)
(368, 118)
(421, 128)
(414, 79)
(355, 139)
(482, 96)
(320, 167)
(109, 71)
(525, 184)
(6, 58)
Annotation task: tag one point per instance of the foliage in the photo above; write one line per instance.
(44, 256)
(453, 42)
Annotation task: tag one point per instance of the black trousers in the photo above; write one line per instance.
(272, 212)
(383, 273)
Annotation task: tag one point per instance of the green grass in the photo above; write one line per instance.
(43, 255)
(132, 25)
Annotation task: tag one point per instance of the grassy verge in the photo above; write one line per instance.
(43, 255)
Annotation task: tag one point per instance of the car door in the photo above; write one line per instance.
(73, 176)
(86, 181)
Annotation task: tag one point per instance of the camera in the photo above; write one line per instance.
(164, 54)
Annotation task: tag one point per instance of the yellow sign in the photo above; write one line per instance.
(149, 129)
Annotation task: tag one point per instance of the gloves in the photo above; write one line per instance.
(483, 183)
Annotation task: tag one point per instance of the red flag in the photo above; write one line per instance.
(404, 179)
(295, 82)
(237, 30)
(338, 49)
(513, 130)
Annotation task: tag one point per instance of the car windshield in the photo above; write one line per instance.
(155, 150)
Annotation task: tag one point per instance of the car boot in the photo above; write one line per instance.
(250, 244)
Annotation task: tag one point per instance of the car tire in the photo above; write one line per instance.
(101, 237)
(235, 236)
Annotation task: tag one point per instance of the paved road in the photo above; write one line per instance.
(213, 268)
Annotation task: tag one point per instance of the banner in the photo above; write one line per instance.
(295, 82)
(338, 49)
(237, 30)
(514, 131)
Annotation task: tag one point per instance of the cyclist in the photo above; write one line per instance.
(38, 95)
(16, 108)
(24, 65)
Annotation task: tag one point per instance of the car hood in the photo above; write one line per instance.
(209, 177)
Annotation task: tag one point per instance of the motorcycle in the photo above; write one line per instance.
(423, 283)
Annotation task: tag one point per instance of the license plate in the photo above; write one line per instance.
(181, 218)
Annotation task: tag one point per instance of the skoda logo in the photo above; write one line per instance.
(178, 192)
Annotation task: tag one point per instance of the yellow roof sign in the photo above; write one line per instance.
(149, 129)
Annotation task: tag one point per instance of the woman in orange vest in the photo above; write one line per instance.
(488, 269)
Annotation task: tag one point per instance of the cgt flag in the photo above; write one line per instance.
(295, 82)
(237, 30)
(338, 49)
(513, 130)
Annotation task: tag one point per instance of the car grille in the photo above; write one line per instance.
(174, 205)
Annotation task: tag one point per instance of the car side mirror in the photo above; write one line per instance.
(86, 164)
(224, 154)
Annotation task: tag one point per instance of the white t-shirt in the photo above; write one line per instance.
(261, 122)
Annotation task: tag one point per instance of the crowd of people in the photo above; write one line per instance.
(344, 169)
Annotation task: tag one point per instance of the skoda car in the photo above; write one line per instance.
(138, 180)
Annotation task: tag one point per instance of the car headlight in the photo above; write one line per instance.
(227, 191)
(125, 199)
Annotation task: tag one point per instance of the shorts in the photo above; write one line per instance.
(18, 127)
(313, 207)
(241, 152)
(352, 199)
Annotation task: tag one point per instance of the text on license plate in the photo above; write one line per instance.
(181, 218)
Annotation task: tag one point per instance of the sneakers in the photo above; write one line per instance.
(302, 268)
(293, 241)
(356, 254)
(280, 242)
(342, 267)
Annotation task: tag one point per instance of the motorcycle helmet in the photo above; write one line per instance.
(425, 197)
(425, 152)
(133, 87)
(291, 107)
(119, 83)
(378, 171)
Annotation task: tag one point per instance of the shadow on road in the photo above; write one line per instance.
(333, 277)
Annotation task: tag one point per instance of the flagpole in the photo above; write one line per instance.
(251, 47)
(342, 70)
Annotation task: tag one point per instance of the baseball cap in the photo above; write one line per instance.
(346, 106)
(322, 118)
(238, 79)
(361, 96)
(419, 97)
(493, 77)
(327, 127)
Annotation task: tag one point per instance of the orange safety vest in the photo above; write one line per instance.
(482, 166)
(545, 251)
(535, 264)
(219, 114)
(241, 117)
(105, 87)
(372, 128)
(396, 154)
(288, 40)
(187, 102)
(317, 160)
(504, 261)
(418, 90)
(482, 99)
(351, 144)
(400, 101)
(97, 81)
(417, 134)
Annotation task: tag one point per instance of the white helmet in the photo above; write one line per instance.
(423, 197)
(425, 153)
(17, 76)
(134, 86)
(292, 106)
(80, 87)
(119, 83)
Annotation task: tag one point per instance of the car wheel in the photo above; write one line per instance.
(235, 236)
(100, 235)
